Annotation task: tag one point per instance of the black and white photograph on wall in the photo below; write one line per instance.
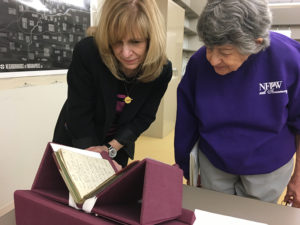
(40, 34)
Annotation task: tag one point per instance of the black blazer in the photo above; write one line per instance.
(90, 108)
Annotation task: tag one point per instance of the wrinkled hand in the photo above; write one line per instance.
(293, 191)
(198, 181)
(118, 166)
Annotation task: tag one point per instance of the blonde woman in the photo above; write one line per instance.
(116, 80)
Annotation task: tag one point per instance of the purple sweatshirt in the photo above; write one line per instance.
(245, 121)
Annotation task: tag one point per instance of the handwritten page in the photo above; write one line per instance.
(86, 172)
(57, 147)
(208, 218)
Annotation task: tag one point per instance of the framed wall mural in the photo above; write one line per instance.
(39, 35)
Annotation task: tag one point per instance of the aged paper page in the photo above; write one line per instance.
(56, 147)
(86, 172)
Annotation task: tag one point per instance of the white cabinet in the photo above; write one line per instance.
(286, 17)
(191, 41)
(190, 22)
(95, 6)
(166, 115)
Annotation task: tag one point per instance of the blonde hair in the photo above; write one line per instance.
(136, 18)
(90, 31)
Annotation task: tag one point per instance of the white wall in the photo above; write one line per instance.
(27, 117)
(29, 110)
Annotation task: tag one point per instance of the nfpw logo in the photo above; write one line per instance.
(271, 88)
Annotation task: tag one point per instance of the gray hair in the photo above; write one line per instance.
(236, 22)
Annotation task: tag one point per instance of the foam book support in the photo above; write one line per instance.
(150, 192)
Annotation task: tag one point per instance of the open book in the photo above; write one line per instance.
(144, 192)
(85, 173)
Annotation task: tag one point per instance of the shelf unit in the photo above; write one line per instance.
(286, 17)
(191, 41)
(189, 11)
(166, 114)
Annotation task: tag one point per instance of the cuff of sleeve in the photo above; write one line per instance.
(125, 137)
(186, 175)
(85, 142)
(186, 170)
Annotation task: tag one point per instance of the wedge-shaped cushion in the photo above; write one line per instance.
(148, 192)
(34, 209)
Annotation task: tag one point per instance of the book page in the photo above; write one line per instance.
(56, 147)
(204, 217)
(86, 172)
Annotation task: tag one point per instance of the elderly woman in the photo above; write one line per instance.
(116, 80)
(239, 100)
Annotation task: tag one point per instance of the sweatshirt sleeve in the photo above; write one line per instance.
(294, 93)
(186, 121)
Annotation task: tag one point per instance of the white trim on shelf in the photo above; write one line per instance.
(189, 32)
(189, 50)
(32, 73)
(285, 13)
(284, 5)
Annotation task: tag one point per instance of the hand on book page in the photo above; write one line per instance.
(103, 148)
(194, 179)
(118, 166)
(99, 148)
(84, 175)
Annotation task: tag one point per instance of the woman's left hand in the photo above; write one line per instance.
(293, 192)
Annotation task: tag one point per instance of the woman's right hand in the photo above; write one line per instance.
(99, 148)
(118, 166)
